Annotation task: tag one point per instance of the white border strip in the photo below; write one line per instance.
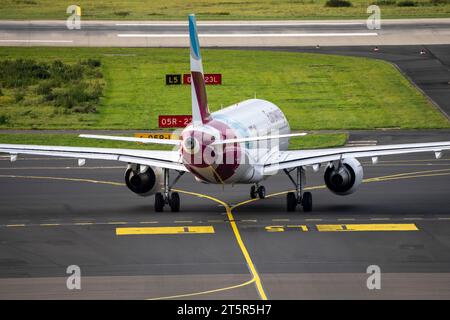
(243, 24)
(246, 35)
(37, 41)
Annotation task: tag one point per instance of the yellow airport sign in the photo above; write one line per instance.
(157, 135)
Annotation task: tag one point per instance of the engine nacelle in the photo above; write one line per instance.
(144, 183)
(346, 179)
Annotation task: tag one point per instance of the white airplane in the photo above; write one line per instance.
(238, 133)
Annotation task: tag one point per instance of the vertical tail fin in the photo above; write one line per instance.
(200, 110)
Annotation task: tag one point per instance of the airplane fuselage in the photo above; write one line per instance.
(234, 162)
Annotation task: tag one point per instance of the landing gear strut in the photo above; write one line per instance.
(257, 191)
(298, 197)
(168, 197)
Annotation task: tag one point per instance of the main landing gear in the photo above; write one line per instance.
(257, 191)
(168, 197)
(298, 197)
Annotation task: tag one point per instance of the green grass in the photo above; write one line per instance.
(72, 140)
(212, 9)
(314, 91)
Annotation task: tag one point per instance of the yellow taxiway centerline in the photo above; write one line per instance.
(248, 259)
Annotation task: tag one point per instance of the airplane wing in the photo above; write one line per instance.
(162, 159)
(296, 158)
(174, 142)
(259, 138)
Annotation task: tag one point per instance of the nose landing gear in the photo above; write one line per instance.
(257, 191)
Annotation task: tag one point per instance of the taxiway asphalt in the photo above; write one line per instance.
(54, 214)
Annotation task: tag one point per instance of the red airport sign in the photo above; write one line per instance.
(174, 121)
(210, 78)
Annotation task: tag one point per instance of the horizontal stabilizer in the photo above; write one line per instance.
(272, 137)
(132, 139)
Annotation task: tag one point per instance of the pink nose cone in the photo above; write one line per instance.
(197, 149)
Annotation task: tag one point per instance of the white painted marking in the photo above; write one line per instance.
(243, 24)
(36, 41)
(246, 35)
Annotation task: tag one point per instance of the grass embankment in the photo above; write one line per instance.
(314, 91)
(224, 10)
(72, 140)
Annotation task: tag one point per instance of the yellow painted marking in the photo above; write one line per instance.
(367, 227)
(164, 230)
(218, 177)
(64, 179)
(157, 135)
(205, 292)
(283, 228)
(301, 227)
(275, 228)
(49, 224)
(15, 225)
(413, 160)
(248, 259)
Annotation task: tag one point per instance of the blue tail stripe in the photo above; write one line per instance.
(194, 37)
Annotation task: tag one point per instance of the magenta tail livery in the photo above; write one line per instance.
(246, 142)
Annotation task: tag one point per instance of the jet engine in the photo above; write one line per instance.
(344, 179)
(143, 180)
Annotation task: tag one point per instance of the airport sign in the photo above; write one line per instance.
(156, 135)
(174, 121)
(210, 78)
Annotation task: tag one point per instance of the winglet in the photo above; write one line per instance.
(200, 110)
